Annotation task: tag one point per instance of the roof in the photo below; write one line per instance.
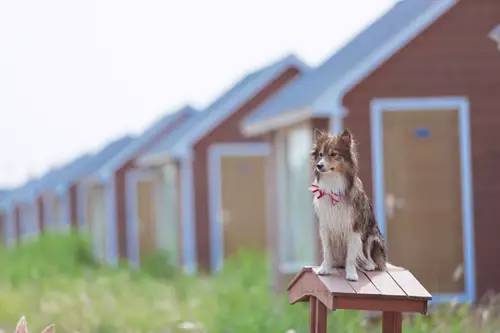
(315, 92)
(90, 164)
(20, 193)
(231, 100)
(158, 153)
(159, 129)
(59, 179)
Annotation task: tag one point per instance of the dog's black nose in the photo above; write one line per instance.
(320, 166)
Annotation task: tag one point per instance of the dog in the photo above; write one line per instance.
(349, 235)
(22, 327)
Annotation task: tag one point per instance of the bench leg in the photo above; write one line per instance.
(392, 322)
(312, 314)
(318, 314)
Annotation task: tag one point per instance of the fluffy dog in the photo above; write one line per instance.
(349, 235)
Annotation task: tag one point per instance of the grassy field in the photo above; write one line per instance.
(55, 280)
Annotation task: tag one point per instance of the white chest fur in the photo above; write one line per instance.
(335, 220)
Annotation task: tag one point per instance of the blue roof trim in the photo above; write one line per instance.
(303, 93)
(145, 139)
(232, 99)
(164, 146)
(87, 166)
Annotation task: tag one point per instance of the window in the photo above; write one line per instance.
(297, 227)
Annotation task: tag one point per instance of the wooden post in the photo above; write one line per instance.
(312, 314)
(392, 322)
(317, 316)
(321, 317)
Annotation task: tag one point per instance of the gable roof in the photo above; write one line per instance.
(28, 191)
(231, 100)
(59, 179)
(319, 92)
(88, 165)
(158, 153)
(159, 129)
(19, 194)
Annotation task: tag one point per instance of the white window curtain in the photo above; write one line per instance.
(297, 223)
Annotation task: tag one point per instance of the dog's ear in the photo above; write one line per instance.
(346, 137)
(319, 135)
(49, 329)
(22, 326)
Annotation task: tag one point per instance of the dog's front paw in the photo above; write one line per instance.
(351, 274)
(325, 269)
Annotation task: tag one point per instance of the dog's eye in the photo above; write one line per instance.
(320, 154)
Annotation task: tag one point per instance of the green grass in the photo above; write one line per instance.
(54, 279)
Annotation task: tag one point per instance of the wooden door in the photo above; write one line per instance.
(243, 203)
(146, 217)
(423, 196)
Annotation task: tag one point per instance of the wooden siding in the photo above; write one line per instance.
(227, 131)
(454, 56)
(120, 187)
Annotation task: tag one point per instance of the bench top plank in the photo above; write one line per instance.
(410, 285)
(363, 286)
(385, 283)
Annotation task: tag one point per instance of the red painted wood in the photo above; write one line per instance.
(392, 322)
(409, 284)
(321, 317)
(380, 304)
(336, 282)
(384, 282)
(364, 285)
(312, 314)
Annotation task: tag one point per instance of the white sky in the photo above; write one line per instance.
(75, 74)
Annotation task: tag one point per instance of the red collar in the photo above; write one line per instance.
(335, 198)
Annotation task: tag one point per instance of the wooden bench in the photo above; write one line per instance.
(392, 292)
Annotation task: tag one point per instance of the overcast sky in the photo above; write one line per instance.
(75, 74)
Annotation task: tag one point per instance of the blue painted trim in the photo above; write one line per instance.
(378, 167)
(111, 223)
(188, 217)
(132, 219)
(461, 104)
(215, 216)
(467, 200)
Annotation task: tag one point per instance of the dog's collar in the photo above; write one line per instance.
(335, 198)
